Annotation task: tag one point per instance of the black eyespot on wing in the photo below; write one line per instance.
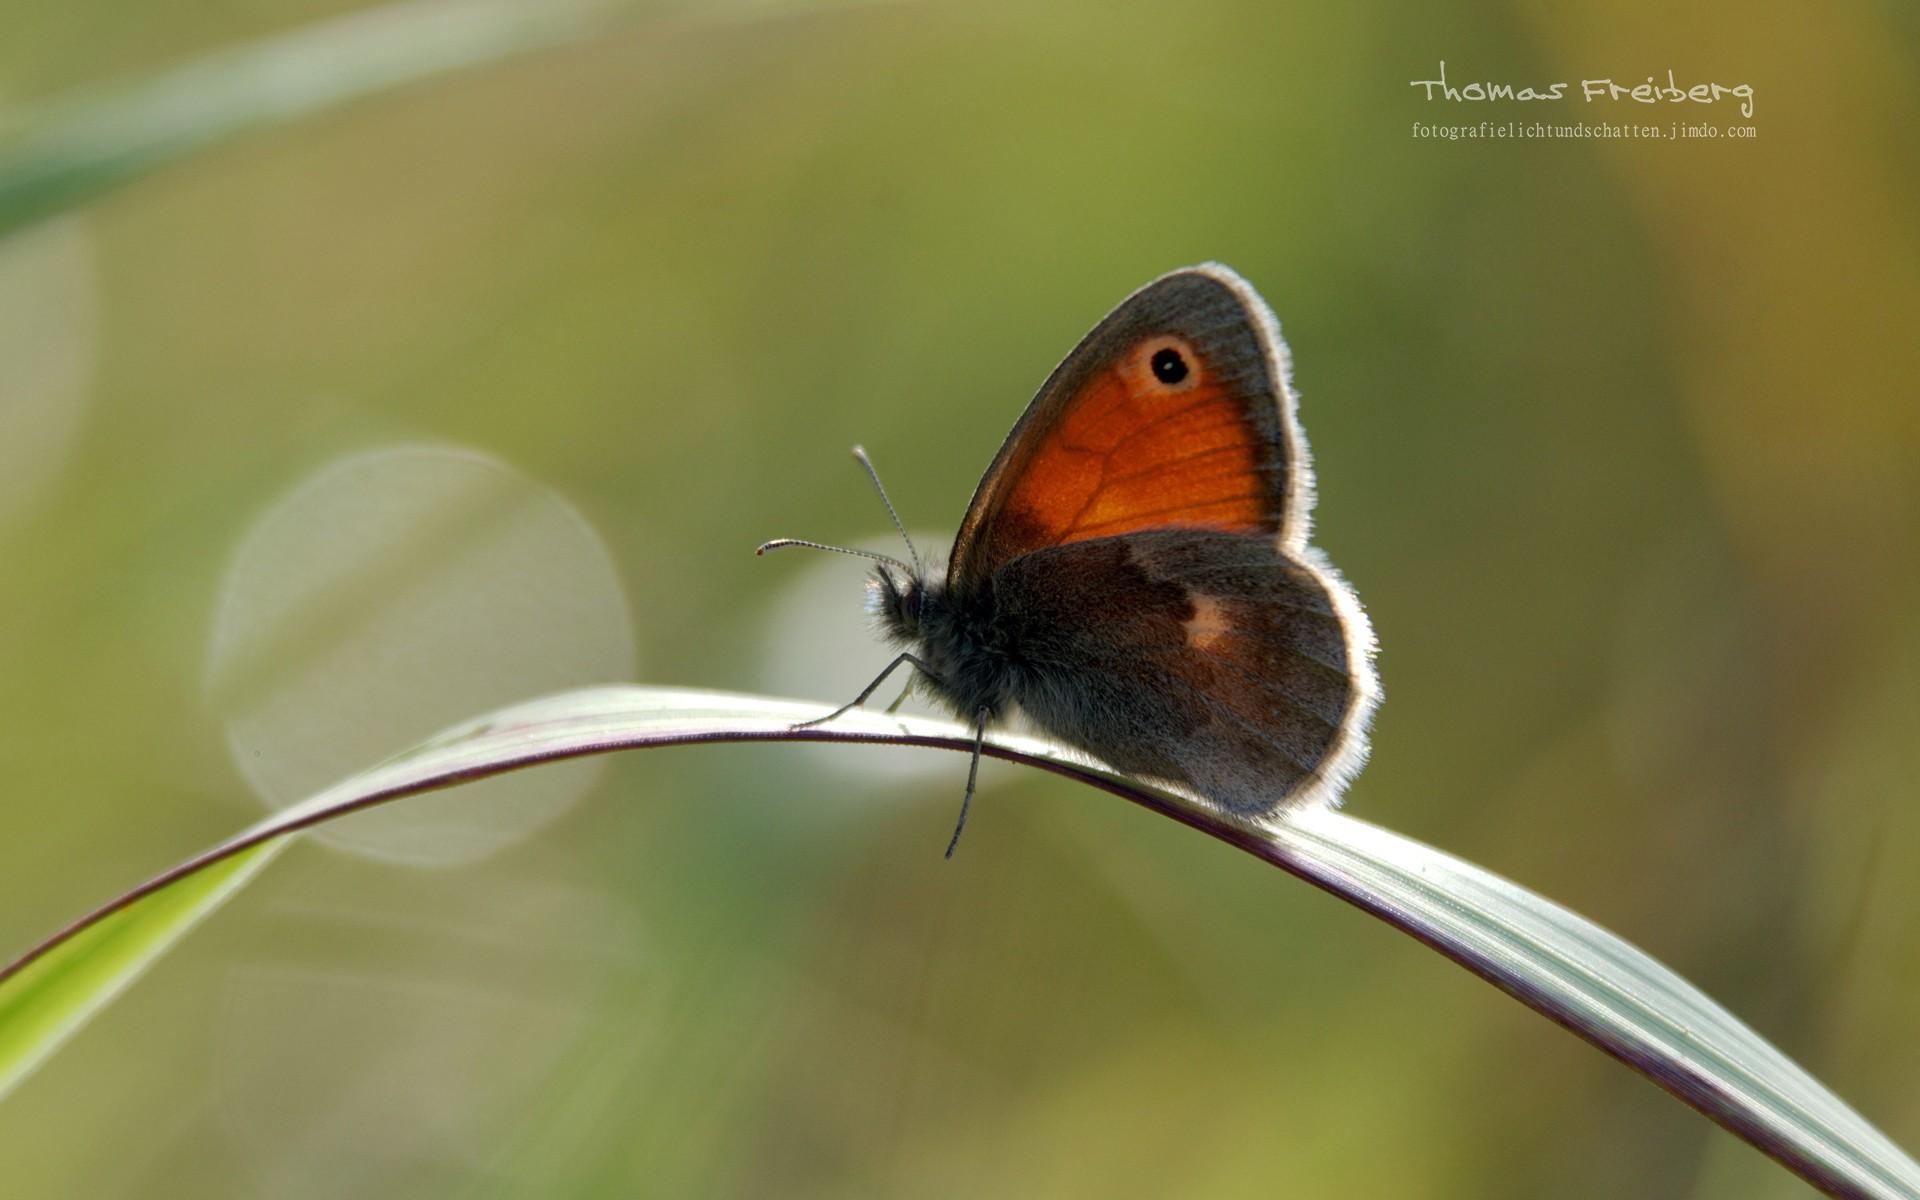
(1168, 365)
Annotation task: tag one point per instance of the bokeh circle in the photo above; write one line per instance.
(396, 592)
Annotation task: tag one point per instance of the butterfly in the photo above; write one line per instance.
(1133, 572)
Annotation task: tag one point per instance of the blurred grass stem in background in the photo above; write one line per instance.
(83, 145)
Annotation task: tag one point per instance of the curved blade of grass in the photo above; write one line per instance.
(1553, 960)
(91, 965)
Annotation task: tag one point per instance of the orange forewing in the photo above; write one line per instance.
(1129, 452)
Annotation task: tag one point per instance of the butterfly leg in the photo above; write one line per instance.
(973, 773)
(869, 690)
(901, 698)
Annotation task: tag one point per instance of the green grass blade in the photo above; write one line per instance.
(48, 1002)
(1553, 960)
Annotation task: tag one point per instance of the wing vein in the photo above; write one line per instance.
(1130, 521)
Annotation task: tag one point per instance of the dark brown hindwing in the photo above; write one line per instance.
(1207, 659)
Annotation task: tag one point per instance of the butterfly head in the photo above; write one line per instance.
(897, 598)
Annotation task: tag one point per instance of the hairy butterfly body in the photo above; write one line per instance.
(1133, 572)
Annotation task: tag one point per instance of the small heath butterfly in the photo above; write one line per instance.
(1133, 572)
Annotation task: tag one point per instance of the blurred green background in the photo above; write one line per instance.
(1618, 441)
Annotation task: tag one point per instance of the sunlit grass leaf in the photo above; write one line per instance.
(1556, 962)
(46, 1004)
(1602, 988)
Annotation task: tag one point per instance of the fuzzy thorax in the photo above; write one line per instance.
(969, 662)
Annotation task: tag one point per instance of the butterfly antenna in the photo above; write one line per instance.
(783, 543)
(860, 453)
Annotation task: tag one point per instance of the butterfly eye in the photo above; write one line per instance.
(1169, 365)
